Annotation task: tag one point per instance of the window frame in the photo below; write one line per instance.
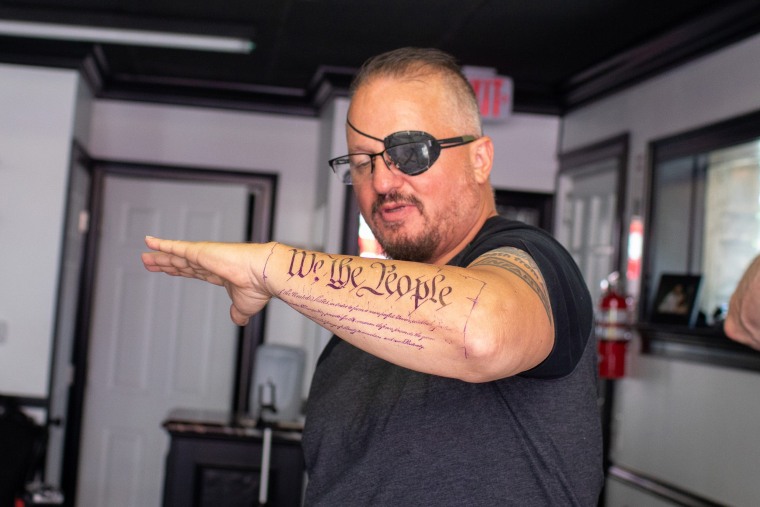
(700, 344)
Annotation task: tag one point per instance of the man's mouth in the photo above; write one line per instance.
(395, 210)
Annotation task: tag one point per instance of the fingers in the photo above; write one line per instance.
(169, 246)
(237, 316)
(225, 264)
(204, 259)
(173, 263)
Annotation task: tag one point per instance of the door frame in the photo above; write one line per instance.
(78, 160)
(262, 188)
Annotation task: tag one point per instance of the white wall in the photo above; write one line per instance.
(37, 116)
(692, 425)
(196, 137)
(525, 152)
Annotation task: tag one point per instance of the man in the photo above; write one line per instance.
(461, 372)
(743, 319)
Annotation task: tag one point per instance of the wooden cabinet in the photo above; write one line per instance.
(213, 461)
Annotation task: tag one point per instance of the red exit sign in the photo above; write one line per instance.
(494, 93)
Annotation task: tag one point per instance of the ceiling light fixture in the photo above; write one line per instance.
(125, 37)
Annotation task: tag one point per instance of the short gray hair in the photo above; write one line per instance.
(413, 62)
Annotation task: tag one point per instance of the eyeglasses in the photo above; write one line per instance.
(411, 152)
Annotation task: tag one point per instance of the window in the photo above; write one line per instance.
(704, 221)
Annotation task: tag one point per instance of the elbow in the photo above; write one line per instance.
(484, 360)
(493, 354)
(496, 348)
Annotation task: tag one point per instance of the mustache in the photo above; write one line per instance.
(395, 198)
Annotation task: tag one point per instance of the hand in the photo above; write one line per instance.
(238, 267)
(743, 319)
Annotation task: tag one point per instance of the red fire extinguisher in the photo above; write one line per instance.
(612, 333)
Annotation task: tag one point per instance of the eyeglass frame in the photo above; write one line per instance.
(451, 142)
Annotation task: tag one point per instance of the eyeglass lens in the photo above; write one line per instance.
(412, 152)
(410, 158)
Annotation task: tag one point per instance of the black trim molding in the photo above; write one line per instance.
(719, 28)
(706, 346)
(714, 30)
(28, 401)
(658, 488)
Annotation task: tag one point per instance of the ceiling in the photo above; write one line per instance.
(559, 53)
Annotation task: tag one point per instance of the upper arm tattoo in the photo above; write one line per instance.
(519, 263)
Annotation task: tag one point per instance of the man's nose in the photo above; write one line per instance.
(386, 176)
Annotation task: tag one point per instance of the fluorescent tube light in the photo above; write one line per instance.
(124, 36)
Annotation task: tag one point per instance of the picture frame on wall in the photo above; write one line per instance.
(676, 299)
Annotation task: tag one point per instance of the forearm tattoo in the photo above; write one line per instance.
(403, 323)
(518, 262)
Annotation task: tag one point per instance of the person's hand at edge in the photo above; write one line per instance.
(743, 320)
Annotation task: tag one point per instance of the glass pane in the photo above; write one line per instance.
(731, 223)
(671, 211)
(588, 203)
(530, 216)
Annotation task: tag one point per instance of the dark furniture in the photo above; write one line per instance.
(22, 444)
(215, 460)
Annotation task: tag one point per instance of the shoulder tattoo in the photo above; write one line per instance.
(519, 263)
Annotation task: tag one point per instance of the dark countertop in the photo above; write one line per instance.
(215, 424)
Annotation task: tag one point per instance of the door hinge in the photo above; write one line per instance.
(84, 221)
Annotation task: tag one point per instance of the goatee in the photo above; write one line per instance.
(396, 244)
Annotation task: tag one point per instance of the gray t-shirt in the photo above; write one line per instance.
(380, 434)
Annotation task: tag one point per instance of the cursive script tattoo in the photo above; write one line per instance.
(402, 324)
(381, 279)
(518, 262)
(352, 319)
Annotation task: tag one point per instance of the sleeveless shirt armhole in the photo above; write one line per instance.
(570, 302)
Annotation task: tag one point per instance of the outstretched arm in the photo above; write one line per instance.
(743, 319)
(488, 321)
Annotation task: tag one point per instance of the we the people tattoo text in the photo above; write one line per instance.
(402, 325)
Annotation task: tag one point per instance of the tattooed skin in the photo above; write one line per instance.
(381, 279)
(518, 262)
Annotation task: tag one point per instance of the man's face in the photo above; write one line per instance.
(424, 217)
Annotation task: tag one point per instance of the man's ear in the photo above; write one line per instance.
(482, 158)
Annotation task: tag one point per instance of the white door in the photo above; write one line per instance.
(157, 342)
(587, 220)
